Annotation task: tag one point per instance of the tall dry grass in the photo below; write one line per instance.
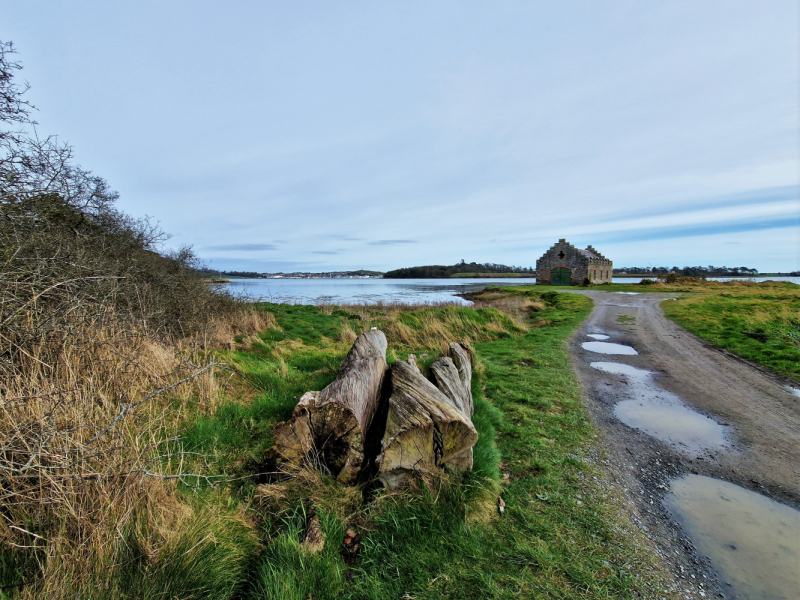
(104, 354)
(90, 405)
(434, 326)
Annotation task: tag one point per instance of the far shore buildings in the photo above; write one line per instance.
(564, 264)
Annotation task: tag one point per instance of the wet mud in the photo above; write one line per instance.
(678, 412)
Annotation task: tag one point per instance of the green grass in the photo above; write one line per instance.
(301, 355)
(209, 560)
(563, 534)
(759, 322)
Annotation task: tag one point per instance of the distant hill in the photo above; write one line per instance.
(444, 272)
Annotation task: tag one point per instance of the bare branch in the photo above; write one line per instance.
(127, 407)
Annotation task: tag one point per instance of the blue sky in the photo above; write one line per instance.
(318, 135)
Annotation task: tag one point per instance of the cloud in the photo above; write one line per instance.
(666, 233)
(391, 242)
(345, 238)
(323, 252)
(244, 247)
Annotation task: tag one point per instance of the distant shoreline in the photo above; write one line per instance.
(732, 276)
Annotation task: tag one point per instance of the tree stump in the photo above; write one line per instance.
(453, 376)
(425, 429)
(328, 428)
(460, 357)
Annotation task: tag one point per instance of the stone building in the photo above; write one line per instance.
(564, 264)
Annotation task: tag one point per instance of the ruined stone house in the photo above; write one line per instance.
(564, 264)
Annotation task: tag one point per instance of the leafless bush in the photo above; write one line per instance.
(102, 341)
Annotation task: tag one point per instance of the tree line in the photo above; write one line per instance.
(709, 271)
(442, 271)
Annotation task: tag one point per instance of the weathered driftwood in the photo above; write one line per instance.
(329, 427)
(452, 375)
(460, 357)
(424, 428)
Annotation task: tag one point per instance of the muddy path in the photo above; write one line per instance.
(691, 410)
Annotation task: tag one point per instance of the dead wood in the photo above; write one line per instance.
(425, 429)
(445, 376)
(314, 540)
(329, 427)
(460, 357)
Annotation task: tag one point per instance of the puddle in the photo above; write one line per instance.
(608, 348)
(619, 369)
(662, 414)
(789, 388)
(629, 293)
(753, 542)
(670, 420)
(598, 336)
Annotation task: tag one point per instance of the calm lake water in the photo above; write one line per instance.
(364, 291)
(373, 291)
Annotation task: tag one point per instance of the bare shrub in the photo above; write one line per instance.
(100, 362)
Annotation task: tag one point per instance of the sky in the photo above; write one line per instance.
(317, 136)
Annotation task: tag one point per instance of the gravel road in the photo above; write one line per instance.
(759, 415)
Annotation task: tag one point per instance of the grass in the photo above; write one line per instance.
(759, 322)
(564, 534)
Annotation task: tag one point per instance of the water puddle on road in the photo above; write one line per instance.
(662, 414)
(629, 293)
(671, 421)
(794, 391)
(619, 369)
(608, 348)
(598, 336)
(753, 542)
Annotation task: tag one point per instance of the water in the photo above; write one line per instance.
(662, 414)
(670, 420)
(753, 542)
(608, 348)
(365, 291)
(598, 336)
(619, 369)
(371, 291)
(793, 390)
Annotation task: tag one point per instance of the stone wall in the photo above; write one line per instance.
(600, 270)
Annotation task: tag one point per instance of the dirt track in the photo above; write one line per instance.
(762, 415)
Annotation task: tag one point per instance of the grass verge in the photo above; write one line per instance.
(757, 321)
(563, 534)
